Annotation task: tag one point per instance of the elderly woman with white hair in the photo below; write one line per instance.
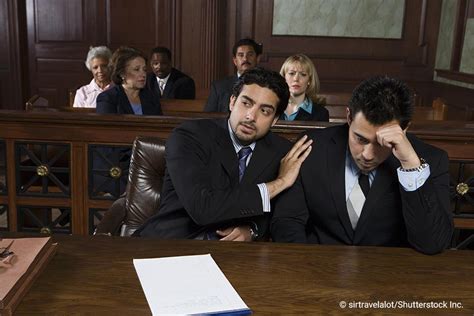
(98, 62)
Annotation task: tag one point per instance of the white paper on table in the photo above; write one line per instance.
(187, 285)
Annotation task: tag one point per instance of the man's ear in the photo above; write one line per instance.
(348, 116)
(258, 58)
(234, 60)
(232, 102)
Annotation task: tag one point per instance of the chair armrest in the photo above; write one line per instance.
(113, 219)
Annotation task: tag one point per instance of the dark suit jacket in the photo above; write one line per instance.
(319, 113)
(314, 209)
(201, 189)
(219, 96)
(114, 100)
(178, 86)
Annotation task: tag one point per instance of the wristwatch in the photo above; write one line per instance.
(253, 231)
(423, 165)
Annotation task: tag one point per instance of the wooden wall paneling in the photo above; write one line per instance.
(11, 180)
(133, 25)
(59, 34)
(62, 24)
(459, 30)
(344, 62)
(203, 26)
(168, 27)
(79, 190)
(11, 91)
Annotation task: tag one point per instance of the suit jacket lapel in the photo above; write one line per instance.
(169, 84)
(226, 149)
(262, 157)
(336, 166)
(381, 185)
(123, 101)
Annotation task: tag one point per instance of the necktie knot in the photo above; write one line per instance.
(244, 152)
(243, 155)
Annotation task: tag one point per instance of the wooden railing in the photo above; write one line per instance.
(69, 141)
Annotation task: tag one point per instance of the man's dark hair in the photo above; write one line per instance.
(258, 48)
(382, 99)
(266, 79)
(119, 61)
(161, 50)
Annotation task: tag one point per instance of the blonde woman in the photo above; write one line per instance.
(302, 79)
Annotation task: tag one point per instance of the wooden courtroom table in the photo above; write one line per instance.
(95, 275)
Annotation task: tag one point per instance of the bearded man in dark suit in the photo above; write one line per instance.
(368, 182)
(221, 174)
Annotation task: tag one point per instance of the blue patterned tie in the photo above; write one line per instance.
(243, 155)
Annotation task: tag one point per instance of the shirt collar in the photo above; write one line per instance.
(165, 79)
(95, 87)
(235, 141)
(306, 105)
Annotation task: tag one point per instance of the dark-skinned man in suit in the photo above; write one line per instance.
(166, 80)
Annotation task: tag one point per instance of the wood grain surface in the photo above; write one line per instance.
(95, 275)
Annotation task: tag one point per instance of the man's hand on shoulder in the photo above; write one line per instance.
(238, 233)
(395, 138)
(290, 166)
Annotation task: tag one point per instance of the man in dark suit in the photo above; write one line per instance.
(221, 174)
(167, 81)
(369, 183)
(246, 55)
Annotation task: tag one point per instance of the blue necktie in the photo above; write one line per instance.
(243, 155)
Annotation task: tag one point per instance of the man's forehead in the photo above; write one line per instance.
(361, 126)
(254, 91)
(162, 57)
(245, 48)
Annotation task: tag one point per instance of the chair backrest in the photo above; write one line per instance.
(71, 97)
(37, 103)
(145, 180)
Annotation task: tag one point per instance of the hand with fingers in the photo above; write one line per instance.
(238, 233)
(290, 166)
(395, 138)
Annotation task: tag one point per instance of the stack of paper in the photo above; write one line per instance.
(189, 285)
(30, 257)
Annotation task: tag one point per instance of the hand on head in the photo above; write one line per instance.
(392, 136)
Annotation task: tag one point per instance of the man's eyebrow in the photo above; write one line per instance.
(268, 106)
(263, 105)
(249, 99)
(361, 136)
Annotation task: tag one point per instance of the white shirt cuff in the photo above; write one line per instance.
(413, 180)
(265, 197)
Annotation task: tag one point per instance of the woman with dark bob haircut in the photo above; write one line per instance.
(129, 95)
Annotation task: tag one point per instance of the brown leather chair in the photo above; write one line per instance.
(142, 196)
